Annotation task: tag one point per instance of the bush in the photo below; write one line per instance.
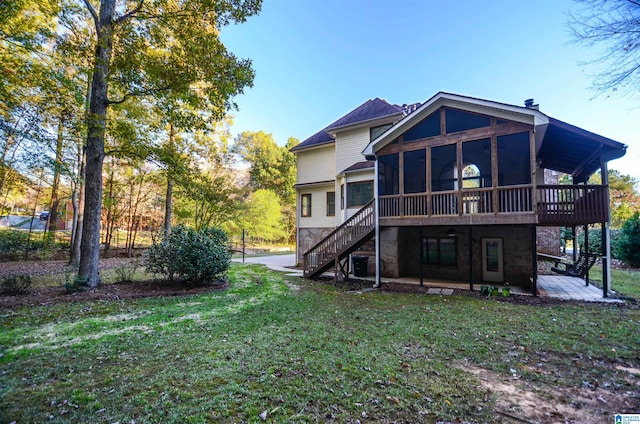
(195, 256)
(76, 284)
(627, 246)
(126, 273)
(15, 284)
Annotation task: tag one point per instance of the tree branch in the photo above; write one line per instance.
(93, 13)
(138, 93)
(130, 13)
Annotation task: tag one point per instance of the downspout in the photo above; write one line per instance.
(376, 213)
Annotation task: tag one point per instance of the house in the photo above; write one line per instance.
(456, 188)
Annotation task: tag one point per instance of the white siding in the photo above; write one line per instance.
(349, 147)
(318, 218)
(317, 165)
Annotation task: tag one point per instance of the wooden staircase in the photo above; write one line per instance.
(340, 243)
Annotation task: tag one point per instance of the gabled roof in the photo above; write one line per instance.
(370, 110)
(512, 112)
(318, 139)
(559, 146)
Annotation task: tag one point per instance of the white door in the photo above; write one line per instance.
(492, 265)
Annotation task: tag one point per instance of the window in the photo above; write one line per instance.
(305, 202)
(359, 194)
(375, 132)
(341, 196)
(388, 175)
(415, 171)
(476, 163)
(439, 251)
(331, 203)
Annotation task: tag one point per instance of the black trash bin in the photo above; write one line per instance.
(359, 265)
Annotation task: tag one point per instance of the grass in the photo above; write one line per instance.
(624, 282)
(297, 353)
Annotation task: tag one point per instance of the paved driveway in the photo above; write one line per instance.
(275, 262)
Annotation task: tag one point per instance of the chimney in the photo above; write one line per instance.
(529, 104)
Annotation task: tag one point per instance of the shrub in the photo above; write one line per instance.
(627, 246)
(76, 284)
(15, 284)
(195, 256)
(127, 272)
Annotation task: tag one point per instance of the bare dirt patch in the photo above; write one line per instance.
(518, 400)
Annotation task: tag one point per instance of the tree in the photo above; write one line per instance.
(262, 216)
(624, 197)
(627, 246)
(151, 48)
(612, 25)
(272, 167)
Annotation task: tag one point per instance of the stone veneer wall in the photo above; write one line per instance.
(548, 240)
(307, 237)
(400, 253)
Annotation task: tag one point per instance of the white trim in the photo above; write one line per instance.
(489, 107)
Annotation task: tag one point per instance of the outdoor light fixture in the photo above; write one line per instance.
(451, 232)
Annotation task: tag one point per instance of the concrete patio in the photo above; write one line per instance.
(570, 288)
(553, 286)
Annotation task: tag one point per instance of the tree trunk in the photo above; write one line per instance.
(53, 205)
(169, 198)
(167, 207)
(110, 205)
(78, 210)
(96, 128)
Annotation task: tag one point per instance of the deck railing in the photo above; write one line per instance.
(554, 204)
(511, 199)
(572, 204)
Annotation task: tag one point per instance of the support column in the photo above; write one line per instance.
(574, 254)
(421, 264)
(534, 261)
(606, 235)
(586, 253)
(376, 220)
(470, 258)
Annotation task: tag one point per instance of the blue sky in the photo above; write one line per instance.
(316, 60)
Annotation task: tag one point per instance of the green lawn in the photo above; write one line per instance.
(304, 352)
(624, 282)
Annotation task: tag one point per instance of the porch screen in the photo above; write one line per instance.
(388, 174)
(514, 159)
(443, 166)
(476, 162)
(415, 171)
(428, 127)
